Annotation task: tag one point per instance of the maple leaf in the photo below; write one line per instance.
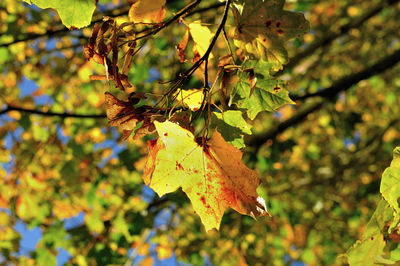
(263, 27)
(213, 176)
(73, 14)
(232, 126)
(264, 93)
(147, 11)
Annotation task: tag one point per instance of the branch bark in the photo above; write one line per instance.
(332, 35)
(116, 12)
(62, 115)
(329, 93)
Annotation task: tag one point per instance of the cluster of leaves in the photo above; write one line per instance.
(219, 183)
(321, 178)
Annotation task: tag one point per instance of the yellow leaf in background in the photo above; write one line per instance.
(191, 98)
(213, 176)
(84, 73)
(35, 184)
(95, 99)
(96, 135)
(164, 252)
(27, 206)
(143, 250)
(147, 262)
(147, 11)
(202, 37)
(62, 209)
(15, 114)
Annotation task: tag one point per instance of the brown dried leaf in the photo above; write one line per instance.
(182, 46)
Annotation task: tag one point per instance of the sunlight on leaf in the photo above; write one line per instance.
(147, 11)
(73, 13)
(263, 28)
(213, 177)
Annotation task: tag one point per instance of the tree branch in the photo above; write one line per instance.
(332, 35)
(37, 112)
(116, 12)
(328, 93)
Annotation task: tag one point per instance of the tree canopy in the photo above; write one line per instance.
(142, 132)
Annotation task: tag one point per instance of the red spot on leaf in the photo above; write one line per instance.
(278, 24)
(178, 166)
(268, 23)
(279, 31)
(165, 134)
(203, 199)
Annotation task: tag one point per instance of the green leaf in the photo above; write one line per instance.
(263, 27)
(73, 13)
(370, 249)
(232, 126)
(45, 257)
(390, 184)
(268, 94)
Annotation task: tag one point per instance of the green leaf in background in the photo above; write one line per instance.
(263, 27)
(390, 184)
(370, 249)
(232, 126)
(268, 94)
(73, 13)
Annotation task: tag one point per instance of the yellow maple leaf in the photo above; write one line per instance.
(213, 176)
(202, 37)
(147, 11)
(191, 98)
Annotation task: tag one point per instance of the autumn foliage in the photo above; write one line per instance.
(236, 132)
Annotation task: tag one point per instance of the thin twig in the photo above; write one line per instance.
(37, 112)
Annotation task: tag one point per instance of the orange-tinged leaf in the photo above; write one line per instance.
(125, 115)
(3, 202)
(182, 46)
(164, 252)
(147, 11)
(213, 177)
(148, 261)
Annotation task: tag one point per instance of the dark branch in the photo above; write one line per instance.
(332, 35)
(116, 12)
(346, 82)
(328, 93)
(37, 112)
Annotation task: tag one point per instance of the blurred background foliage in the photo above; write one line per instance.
(71, 190)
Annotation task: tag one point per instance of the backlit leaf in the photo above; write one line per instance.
(191, 98)
(147, 11)
(73, 13)
(370, 248)
(268, 94)
(390, 184)
(263, 27)
(232, 126)
(213, 176)
(201, 36)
